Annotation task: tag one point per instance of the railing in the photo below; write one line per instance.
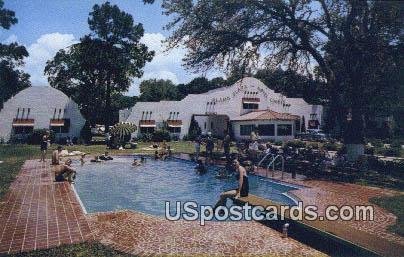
(273, 165)
(274, 158)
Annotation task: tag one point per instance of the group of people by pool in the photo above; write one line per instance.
(162, 151)
(63, 170)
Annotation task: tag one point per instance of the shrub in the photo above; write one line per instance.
(312, 145)
(391, 152)
(161, 135)
(194, 129)
(369, 150)
(146, 137)
(331, 146)
(377, 143)
(35, 138)
(296, 143)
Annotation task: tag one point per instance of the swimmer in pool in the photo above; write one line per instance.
(200, 167)
(136, 162)
(82, 161)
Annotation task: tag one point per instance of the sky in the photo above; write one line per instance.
(45, 26)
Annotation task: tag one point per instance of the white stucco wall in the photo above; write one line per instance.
(224, 101)
(42, 101)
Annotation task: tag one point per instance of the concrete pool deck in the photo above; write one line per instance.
(38, 213)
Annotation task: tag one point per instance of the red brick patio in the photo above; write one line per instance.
(38, 213)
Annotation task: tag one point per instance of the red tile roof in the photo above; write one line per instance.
(266, 115)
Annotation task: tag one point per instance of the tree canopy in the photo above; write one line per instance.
(155, 90)
(103, 64)
(12, 78)
(349, 45)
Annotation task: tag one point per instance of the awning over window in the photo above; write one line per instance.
(57, 122)
(174, 123)
(23, 122)
(147, 123)
(250, 100)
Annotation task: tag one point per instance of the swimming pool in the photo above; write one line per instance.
(116, 185)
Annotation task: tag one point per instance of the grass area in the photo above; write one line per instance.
(76, 250)
(13, 157)
(394, 205)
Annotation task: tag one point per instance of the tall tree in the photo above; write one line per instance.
(12, 78)
(351, 42)
(155, 90)
(200, 85)
(103, 63)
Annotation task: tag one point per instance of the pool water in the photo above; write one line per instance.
(116, 184)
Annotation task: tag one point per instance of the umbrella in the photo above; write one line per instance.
(123, 129)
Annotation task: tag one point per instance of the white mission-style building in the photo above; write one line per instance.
(40, 107)
(245, 106)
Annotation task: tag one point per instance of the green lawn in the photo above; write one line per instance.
(13, 156)
(76, 250)
(395, 205)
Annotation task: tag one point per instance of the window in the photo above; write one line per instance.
(204, 126)
(174, 129)
(284, 129)
(250, 106)
(23, 129)
(211, 125)
(245, 130)
(145, 130)
(266, 130)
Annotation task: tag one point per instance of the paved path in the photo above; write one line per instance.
(142, 234)
(38, 213)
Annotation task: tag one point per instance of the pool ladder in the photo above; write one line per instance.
(274, 158)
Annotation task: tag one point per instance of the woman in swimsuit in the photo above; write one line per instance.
(243, 186)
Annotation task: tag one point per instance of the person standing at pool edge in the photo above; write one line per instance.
(226, 145)
(197, 148)
(243, 186)
(44, 146)
(210, 145)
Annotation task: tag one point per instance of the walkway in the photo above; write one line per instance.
(38, 213)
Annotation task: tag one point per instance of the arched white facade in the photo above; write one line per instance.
(227, 101)
(40, 107)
